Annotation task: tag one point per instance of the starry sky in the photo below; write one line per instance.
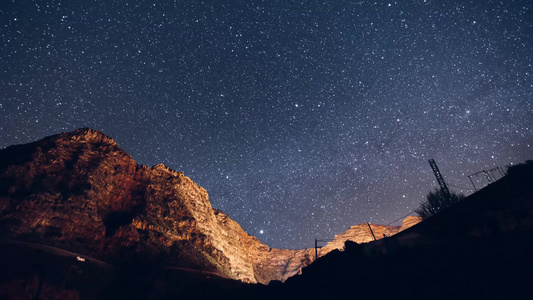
(300, 118)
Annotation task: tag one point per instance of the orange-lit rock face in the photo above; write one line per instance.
(81, 192)
(360, 234)
(409, 222)
(364, 233)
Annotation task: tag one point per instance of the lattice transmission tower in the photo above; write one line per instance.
(439, 177)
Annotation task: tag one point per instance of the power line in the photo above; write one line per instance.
(403, 217)
(316, 245)
(414, 210)
(400, 218)
(459, 187)
(324, 240)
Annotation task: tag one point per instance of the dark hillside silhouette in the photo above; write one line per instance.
(521, 169)
(480, 248)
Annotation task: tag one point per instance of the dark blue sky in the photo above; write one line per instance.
(300, 118)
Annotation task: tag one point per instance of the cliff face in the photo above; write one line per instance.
(79, 191)
(364, 233)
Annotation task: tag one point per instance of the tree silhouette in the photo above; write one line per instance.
(521, 169)
(436, 201)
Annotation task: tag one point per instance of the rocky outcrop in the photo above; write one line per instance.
(79, 191)
(410, 222)
(267, 263)
(360, 234)
(365, 233)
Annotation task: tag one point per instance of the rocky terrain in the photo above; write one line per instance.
(80, 192)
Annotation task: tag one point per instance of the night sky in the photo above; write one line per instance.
(300, 118)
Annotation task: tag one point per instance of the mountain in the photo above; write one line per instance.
(79, 191)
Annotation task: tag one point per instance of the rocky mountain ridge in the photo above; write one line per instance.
(79, 191)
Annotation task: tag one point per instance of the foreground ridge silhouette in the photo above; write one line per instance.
(480, 248)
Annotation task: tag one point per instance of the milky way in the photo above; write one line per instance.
(300, 120)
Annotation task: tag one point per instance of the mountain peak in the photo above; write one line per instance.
(89, 135)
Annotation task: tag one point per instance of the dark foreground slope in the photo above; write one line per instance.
(151, 233)
(479, 249)
(36, 271)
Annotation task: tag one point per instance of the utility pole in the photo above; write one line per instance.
(371, 231)
(477, 175)
(470, 177)
(317, 246)
(496, 170)
(439, 177)
(489, 175)
(316, 249)
(489, 179)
